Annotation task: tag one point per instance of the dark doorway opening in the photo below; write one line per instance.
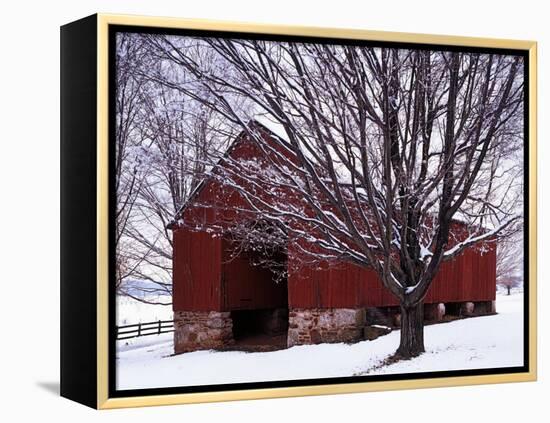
(260, 330)
(255, 290)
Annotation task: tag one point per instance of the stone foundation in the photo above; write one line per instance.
(467, 308)
(470, 308)
(434, 312)
(485, 307)
(315, 326)
(202, 330)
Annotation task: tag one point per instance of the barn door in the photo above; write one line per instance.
(248, 286)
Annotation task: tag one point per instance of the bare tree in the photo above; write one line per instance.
(166, 140)
(380, 151)
(509, 282)
(180, 137)
(510, 263)
(128, 169)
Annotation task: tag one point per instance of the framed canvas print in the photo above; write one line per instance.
(254, 211)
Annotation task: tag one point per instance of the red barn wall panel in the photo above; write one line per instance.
(474, 286)
(302, 289)
(468, 277)
(342, 286)
(196, 271)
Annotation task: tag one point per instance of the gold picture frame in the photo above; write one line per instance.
(101, 400)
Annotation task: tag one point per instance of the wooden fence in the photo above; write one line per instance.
(143, 329)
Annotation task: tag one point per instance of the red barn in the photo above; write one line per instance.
(220, 299)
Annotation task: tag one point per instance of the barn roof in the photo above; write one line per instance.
(274, 130)
(257, 122)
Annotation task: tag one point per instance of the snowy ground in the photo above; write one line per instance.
(129, 311)
(482, 342)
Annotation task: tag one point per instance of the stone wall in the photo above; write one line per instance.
(315, 326)
(485, 307)
(202, 330)
(471, 308)
(434, 312)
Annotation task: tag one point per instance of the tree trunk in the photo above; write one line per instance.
(508, 288)
(412, 331)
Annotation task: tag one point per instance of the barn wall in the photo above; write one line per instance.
(197, 271)
(218, 282)
(247, 287)
(215, 284)
(469, 277)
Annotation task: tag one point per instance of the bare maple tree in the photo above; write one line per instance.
(179, 141)
(380, 151)
(128, 171)
(164, 143)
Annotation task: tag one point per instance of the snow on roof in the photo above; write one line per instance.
(271, 125)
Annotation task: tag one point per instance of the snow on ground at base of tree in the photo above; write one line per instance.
(481, 342)
(475, 343)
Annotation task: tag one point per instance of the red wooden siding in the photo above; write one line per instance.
(469, 277)
(197, 271)
(205, 278)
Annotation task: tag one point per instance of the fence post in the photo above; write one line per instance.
(159, 326)
(139, 329)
